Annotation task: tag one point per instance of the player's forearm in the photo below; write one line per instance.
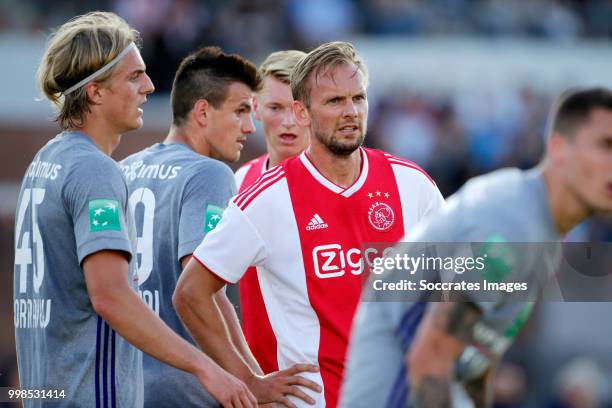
(133, 320)
(203, 319)
(236, 334)
(431, 392)
(440, 339)
(430, 377)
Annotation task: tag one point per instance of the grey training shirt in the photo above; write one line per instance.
(72, 203)
(177, 196)
(505, 206)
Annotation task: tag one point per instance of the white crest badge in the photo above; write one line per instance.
(381, 216)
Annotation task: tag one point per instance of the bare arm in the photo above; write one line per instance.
(236, 334)
(117, 303)
(194, 301)
(233, 325)
(443, 334)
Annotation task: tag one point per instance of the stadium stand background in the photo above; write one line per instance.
(460, 87)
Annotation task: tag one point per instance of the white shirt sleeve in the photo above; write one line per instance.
(420, 197)
(432, 199)
(232, 246)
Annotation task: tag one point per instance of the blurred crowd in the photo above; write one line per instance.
(463, 135)
(256, 27)
(453, 136)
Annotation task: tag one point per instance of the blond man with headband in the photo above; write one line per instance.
(303, 223)
(77, 314)
(285, 138)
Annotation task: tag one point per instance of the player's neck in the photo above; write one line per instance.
(340, 170)
(183, 135)
(177, 135)
(106, 139)
(566, 208)
(274, 158)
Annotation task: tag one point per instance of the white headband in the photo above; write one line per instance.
(101, 70)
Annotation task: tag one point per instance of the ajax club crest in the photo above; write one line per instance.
(381, 216)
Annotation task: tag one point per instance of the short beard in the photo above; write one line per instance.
(337, 148)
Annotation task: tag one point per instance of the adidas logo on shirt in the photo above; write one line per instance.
(316, 223)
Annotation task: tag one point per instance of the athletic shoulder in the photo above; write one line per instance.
(92, 175)
(204, 174)
(502, 202)
(90, 164)
(210, 166)
(405, 167)
(262, 190)
(71, 156)
(498, 189)
(243, 171)
(414, 184)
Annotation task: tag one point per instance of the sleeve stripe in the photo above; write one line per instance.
(261, 179)
(243, 201)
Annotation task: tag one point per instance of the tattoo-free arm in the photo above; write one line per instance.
(443, 334)
(114, 300)
(194, 301)
(233, 325)
(236, 334)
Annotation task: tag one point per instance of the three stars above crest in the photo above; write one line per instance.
(378, 194)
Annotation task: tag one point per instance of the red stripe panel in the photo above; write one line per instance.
(255, 322)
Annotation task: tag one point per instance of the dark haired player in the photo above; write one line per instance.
(178, 191)
(303, 222)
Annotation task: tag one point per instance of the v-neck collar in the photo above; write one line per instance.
(345, 192)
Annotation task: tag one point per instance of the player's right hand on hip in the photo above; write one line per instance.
(227, 389)
(277, 386)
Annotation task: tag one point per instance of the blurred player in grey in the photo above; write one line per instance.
(75, 301)
(443, 354)
(178, 191)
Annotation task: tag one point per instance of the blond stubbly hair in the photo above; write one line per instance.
(319, 61)
(75, 50)
(280, 64)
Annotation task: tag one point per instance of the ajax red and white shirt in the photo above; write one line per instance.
(250, 172)
(304, 235)
(255, 323)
